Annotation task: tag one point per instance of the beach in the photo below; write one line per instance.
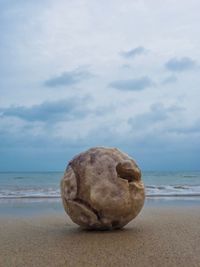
(100, 119)
(162, 235)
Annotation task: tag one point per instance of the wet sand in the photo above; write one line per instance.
(159, 236)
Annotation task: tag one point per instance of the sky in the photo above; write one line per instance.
(83, 73)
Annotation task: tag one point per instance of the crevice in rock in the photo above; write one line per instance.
(128, 178)
(125, 172)
(81, 201)
(86, 204)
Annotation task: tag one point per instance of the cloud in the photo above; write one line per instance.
(132, 84)
(192, 129)
(68, 78)
(157, 114)
(47, 111)
(33, 46)
(169, 80)
(180, 64)
(133, 52)
(125, 66)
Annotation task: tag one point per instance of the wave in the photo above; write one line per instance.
(30, 193)
(151, 191)
(172, 190)
(190, 176)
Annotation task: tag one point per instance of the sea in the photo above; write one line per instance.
(38, 193)
(29, 185)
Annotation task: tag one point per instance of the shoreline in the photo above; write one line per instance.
(159, 236)
(161, 196)
(25, 207)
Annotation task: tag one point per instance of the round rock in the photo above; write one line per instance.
(102, 189)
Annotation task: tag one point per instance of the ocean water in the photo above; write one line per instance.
(38, 185)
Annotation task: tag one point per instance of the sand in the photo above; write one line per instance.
(159, 236)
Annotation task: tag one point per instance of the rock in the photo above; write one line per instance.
(102, 189)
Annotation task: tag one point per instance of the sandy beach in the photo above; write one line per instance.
(160, 236)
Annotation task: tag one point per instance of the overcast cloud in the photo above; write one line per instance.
(181, 64)
(68, 78)
(132, 84)
(76, 74)
(134, 52)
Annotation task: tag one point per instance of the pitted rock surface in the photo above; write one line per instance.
(102, 189)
